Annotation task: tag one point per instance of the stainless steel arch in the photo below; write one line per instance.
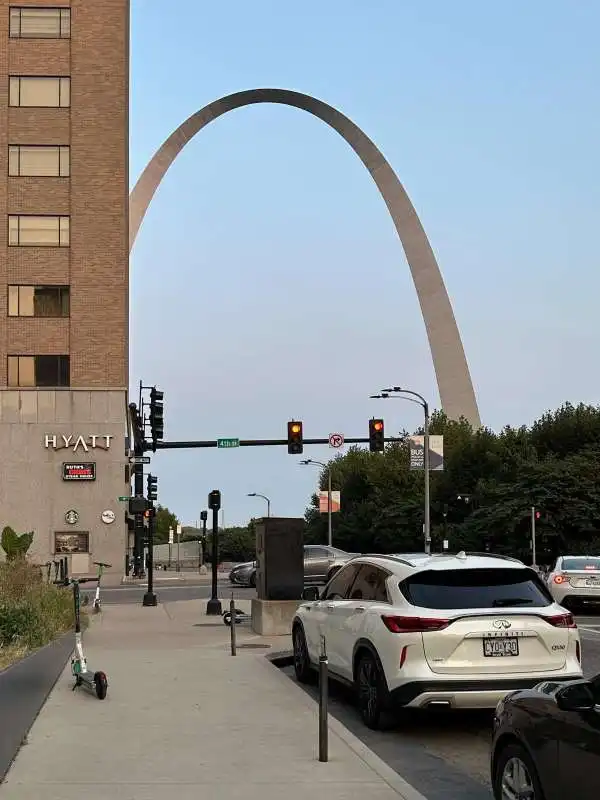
(452, 372)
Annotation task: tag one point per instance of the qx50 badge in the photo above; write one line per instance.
(501, 624)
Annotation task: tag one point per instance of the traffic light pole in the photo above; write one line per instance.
(213, 607)
(149, 598)
(260, 443)
(138, 525)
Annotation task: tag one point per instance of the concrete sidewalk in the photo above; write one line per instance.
(182, 715)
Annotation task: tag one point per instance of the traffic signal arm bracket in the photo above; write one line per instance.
(262, 442)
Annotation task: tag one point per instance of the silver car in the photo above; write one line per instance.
(575, 580)
(320, 565)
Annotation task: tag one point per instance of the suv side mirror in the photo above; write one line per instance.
(311, 593)
(576, 697)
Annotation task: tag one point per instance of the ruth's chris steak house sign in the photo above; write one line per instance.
(75, 443)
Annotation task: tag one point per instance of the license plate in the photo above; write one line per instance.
(592, 582)
(498, 648)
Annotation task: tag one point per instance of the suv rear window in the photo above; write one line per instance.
(475, 588)
(581, 563)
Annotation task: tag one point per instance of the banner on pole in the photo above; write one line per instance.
(335, 501)
(417, 453)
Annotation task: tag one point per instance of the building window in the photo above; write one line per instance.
(39, 92)
(38, 301)
(45, 161)
(40, 23)
(32, 231)
(66, 542)
(48, 371)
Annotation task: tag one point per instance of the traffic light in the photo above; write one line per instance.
(137, 426)
(157, 424)
(152, 488)
(538, 514)
(376, 436)
(214, 500)
(294, 438)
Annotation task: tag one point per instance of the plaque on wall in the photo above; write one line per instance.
(79, 472)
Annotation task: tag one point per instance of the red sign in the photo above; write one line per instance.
(79, 472)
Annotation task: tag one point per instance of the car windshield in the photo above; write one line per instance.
(475, 588)
(582, 563)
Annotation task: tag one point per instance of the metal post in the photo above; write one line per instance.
(178, 569)
(213, 607)
(533, 542)
(268, 507)
(329, 515)
(427, 530)
(233, 624)
(323, 698)
(170, 546)
(203, 517)
(149, 598)
(138, 524)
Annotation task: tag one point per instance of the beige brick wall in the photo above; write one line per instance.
(95, 196)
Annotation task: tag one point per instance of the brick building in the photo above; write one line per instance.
(64, 97)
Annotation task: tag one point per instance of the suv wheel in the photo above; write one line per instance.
(516, 775)
(370, 691)
(301, 659)
(253, 580)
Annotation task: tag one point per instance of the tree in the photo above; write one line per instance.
(15, 546)
(164, 520)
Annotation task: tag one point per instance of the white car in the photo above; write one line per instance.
(453, 631)
(575, 581)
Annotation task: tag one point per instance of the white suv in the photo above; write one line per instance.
(456, 631)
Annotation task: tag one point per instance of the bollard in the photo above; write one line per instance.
(232, 626)
(323, 702)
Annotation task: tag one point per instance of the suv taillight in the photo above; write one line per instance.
(562, 621)
(413, 624)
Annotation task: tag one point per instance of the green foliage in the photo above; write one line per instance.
(552, 465)
(14, 545)
(164, 520)
(32, 613)
(235, 544)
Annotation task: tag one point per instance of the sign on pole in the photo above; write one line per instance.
(171, 536)
(123, 498)
(336, 440)
(139, 460)
(336, 501)
(228, 443)
(436, 453)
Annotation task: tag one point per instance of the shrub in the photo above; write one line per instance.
(32, 612)
(15, 546)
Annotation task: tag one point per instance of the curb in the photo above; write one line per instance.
(386, 773)
(24, 688)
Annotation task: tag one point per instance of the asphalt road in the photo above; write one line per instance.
(169, 592)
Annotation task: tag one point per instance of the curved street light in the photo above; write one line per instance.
(401, 394)
(264, 497)
(307, 462)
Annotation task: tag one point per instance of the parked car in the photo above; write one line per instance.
(452, 631)
(320, 565)
(574, 581)
(546, 742)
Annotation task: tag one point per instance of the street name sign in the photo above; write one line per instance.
(228, 443)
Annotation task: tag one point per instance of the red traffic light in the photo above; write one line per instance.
(378, 425)
(538, 514)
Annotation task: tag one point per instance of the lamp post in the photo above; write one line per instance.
(308, 461)
(415, 397)
(264, 497)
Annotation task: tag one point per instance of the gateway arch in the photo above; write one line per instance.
(452, 372)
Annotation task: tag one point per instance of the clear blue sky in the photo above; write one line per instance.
(268, 281)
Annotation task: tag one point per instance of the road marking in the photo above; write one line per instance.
(595, 631)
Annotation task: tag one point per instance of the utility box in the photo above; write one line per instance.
(280, 558)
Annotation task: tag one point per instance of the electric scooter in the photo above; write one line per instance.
(101, 567)
(95, 682)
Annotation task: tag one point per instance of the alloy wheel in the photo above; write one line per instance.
(517, 783)
(368, 691)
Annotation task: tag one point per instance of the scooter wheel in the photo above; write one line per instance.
(101, 683)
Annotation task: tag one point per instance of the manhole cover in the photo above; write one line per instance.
(255, 646)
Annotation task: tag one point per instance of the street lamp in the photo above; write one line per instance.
(264, 497)
(415, 397)
(308, 461)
